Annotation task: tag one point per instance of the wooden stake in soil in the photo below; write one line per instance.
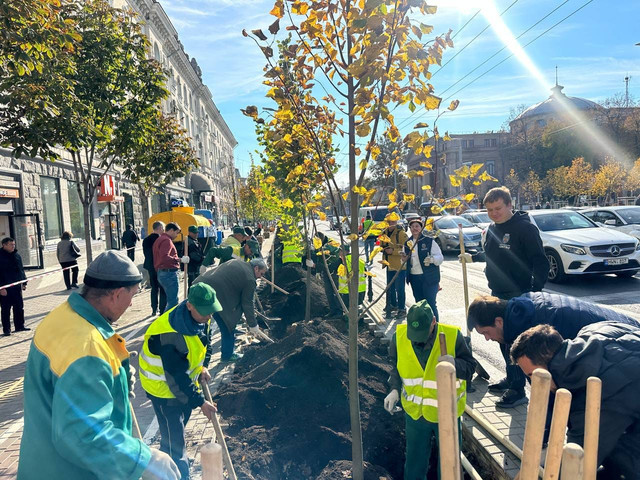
(592, 427)
(572, 459)
(211, 460)
(561, 407)
(220, 436)
(534, 430)
(448, 422)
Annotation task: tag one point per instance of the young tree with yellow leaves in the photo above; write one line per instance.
(609, 178)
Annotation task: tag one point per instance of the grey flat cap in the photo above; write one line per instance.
(111, 269)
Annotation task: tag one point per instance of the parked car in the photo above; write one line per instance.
(379, 213)
(332, 222)
(480, 218)
(575, 245)
(624, 218)
(448, 238)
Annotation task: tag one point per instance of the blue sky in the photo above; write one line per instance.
(593, 49)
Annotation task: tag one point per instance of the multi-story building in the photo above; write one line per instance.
(39, 199)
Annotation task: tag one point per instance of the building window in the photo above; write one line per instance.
(487, 142)
(50, 190)
(464, 143)
(490, 167)
(470, 143)
(75, 210)
(494, 142)
(158, 203)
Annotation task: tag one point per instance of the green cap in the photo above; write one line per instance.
(254, 246)
(193, 229)
(203, 298)
(238, 229)
(419, 321)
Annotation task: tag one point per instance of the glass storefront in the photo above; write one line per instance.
(75, 210)
(50, 191)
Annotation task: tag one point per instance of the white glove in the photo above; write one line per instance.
(185, 259)
(260, 334)
(391, 400)
(203, 269)
(427, 261)
(160, 467)
(132, 381)
(465, 258)
(447, 358)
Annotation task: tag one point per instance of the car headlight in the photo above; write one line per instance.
(638, 247)
(575, 249)
(450, 236)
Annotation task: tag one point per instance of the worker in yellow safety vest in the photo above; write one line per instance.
(235, 241)
(291, 253)
(415, 352)
(173, 363)
(343, 281)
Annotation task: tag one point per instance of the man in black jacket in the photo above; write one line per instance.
(196, 256)
(156, 289)
(611, 352)
(129, 240)
(11, 270)
(516, 263)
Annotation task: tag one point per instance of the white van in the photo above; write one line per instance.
(378, 214)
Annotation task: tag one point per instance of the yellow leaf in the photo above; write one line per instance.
(287, 203)
(426, 187)
(420, 173)
(393, 216)
(353, 236)
(429, 224)
(454, 104)
(392, 205)
(384, 262)
(426, 165)
(342, 271)
(455, 181)
(363, 129)
(475, 168)
(363, 164)
(345, 195)
(270, 179)
(334, 243)
(384, 238)
(321, 215)
(432, 102)
(392, 197)
(436, 209)
(380, 225)
(277, 10)
(408, 197)
(317, 243)
(287, 138)
(469, 196)
(369, 274)
(374, 253)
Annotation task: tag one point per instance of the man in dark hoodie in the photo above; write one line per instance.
(173, 364)
(611, 352)
(516, 263)
(11, 271)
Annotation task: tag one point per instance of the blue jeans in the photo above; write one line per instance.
(171, 423)
(395, 294)
(168, 280)
(227, 338)
(425, 291)
(369, 246)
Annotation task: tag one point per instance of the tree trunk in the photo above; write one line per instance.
(145, 208)
(86, 213)
(307, 302)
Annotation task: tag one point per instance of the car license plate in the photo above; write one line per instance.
(616, 261)
(471, 244)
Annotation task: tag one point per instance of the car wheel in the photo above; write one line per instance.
(627, 273)
(556, 269)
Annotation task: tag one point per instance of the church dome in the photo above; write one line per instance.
(555, 105)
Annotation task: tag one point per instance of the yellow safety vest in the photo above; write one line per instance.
(152, 375)
(343, 282)
(291, 254)
(235, 245)
(419, 388)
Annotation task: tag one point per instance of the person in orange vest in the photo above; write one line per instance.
(415, 352)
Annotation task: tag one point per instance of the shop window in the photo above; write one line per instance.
(50, 190)
(75, 211)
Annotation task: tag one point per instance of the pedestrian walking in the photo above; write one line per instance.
(158, 295)
(68, 253)
(423, 257)
(332, 255)
(167, 263)
(77, 382)
(393, 251)
(370, 240)
(414, 352)
(11, 271)
(235, 285)
(129, 239)
(609, 351)
(172, 368)
(515, 263)
(196, 257)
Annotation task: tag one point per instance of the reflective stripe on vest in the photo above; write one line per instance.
(236, 246)
(291, 254)
(343, 282)
(152, 377)
(419, 388)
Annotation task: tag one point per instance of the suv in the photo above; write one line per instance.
(379, 213)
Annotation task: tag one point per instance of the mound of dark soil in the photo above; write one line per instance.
(341, 470)
(288, 411)
(290, 308)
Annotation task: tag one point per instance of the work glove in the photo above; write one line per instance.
(447, 358)
(132, 382)
(203, 269)
(260, 334)
(160, 467)
(465, 258)
(427, 261)
(391, 400)
(185, 259)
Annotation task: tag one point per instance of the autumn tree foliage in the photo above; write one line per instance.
(608, 179)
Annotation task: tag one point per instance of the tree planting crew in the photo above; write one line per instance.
(158, 296)
(167, 262)
(77, 417)
(414, 352)
(129, 240)
(423, 257)
(11, 271)
(291, 253)
(343, 285)
(235, 285)
(393, 251)
(332, 255)
(370, 240)
(235, 241)
(172, 367)
(196, 257)
(611, 352)
(516, 263)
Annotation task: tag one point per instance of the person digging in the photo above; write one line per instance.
(414, 352)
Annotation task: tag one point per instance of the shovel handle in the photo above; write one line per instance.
(443, 343)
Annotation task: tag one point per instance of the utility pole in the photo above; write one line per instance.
(626, 91)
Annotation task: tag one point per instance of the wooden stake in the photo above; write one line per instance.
(465, 282)
(136, 427)
(448, 422)
(572, 459)
(211, 461)
(592, 427)
(561, 407)
(534, 430)
(220, 436)
(273, 285)
(443, 343)
(273, 265)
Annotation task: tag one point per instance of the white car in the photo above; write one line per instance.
(480, 218)
(623, 218)
(575, 246)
